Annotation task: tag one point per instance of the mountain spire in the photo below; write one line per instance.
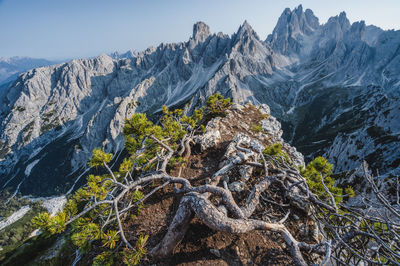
(291, 25)
(200, 31)
(246, 29)
(336, 26)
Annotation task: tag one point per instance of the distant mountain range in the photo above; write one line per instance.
(335, 87)
(12, 66)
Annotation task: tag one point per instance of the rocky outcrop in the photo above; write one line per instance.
(225, 128)
(211, 137)
(200, 32)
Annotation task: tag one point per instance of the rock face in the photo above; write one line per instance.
(240, 134)
(334, 87)
(237, 124)
(211, 136)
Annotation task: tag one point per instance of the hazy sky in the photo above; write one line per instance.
(59, 29)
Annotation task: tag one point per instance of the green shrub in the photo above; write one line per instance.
(276, 152)
(99, 158)
(256, 128)
(320, 169)
(217, 105)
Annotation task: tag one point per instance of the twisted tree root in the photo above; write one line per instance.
(196, 203)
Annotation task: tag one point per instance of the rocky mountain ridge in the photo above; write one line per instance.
(334, 87)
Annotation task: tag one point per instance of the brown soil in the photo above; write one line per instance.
(201, 245)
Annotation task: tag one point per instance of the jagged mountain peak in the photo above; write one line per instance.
(200, 31)
(357, 30)
(103, 56)
(246, 28)
(245, 31)
(299, 8)
(245, 45)
(298, 20)
(292, 25)
(343, 16)
(128, 54)
(342, 20)
(246, 25)
(311, 19)
(336, 26)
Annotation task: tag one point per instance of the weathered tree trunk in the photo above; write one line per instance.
(217, 220)
(176, 231)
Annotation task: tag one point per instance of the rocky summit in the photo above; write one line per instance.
(333, 86)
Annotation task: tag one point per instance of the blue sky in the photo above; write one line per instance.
(58, 29)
